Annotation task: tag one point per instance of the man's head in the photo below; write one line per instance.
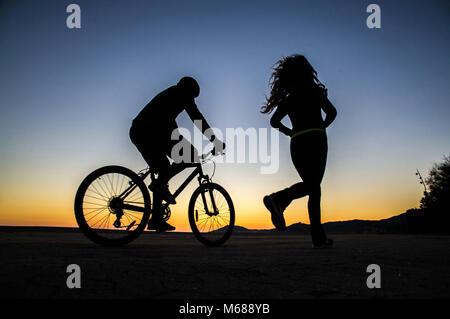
(190, 86)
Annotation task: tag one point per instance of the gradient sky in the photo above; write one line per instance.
(68, 96)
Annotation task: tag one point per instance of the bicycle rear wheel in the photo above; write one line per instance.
(112, 206)
(211, 214)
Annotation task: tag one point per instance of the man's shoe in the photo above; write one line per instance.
(163, 191)
(274, 209)
(160, 226)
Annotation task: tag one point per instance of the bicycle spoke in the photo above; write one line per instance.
(133, 197)
(100, 220)
(126, 216)
(95, 204)
(135, 215)
(111, 179)
(121, 185)
(95, 210)
(226, 221)
(97, 192)
(95, 198)
(92, 217)
(101, 186)
(106, 186)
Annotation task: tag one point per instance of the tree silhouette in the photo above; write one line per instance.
(437, 199)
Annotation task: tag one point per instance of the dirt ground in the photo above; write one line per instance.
(249, 265)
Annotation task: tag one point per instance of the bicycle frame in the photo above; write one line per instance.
(197, 171)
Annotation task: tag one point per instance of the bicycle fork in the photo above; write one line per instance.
(213, 203)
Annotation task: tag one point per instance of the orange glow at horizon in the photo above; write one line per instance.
(33, 208)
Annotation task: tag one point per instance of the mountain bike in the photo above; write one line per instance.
(113, 205)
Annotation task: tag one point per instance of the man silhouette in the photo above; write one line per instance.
(151, 133)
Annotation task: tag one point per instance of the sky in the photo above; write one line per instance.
(68, 96)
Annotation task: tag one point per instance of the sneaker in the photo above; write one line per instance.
(163, 191)
(160, 226)
(327, 243)
(274, 209)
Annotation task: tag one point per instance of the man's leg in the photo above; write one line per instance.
(159, 163)
(182, 151)
(155, 157)
(161, 192)
(160, 185)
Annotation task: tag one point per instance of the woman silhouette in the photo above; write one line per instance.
(297, 93)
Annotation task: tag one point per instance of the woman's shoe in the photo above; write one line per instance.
(327, 243)
(275, 210)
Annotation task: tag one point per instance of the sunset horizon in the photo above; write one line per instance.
(69, 96)
(224, 158)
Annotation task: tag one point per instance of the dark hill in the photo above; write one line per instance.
(392, 225)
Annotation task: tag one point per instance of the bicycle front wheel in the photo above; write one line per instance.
(112, 206)
(211, 214)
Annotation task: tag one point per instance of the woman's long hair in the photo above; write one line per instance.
(291, 74)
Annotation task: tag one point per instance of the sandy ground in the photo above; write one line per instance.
(249, 265)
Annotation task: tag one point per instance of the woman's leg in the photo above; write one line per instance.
(287, 195)
(309, 158)
(309, 155)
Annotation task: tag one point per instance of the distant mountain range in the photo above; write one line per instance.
(396, 224)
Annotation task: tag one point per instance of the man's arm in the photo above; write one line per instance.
(199, 120)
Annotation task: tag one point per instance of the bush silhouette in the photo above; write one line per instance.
(437, 199)
(433, 216)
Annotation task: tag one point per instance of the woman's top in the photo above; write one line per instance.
(304, 110)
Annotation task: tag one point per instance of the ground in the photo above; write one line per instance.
(249, 265)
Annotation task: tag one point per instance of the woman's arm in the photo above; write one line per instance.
(275, 121)
(330, 112)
